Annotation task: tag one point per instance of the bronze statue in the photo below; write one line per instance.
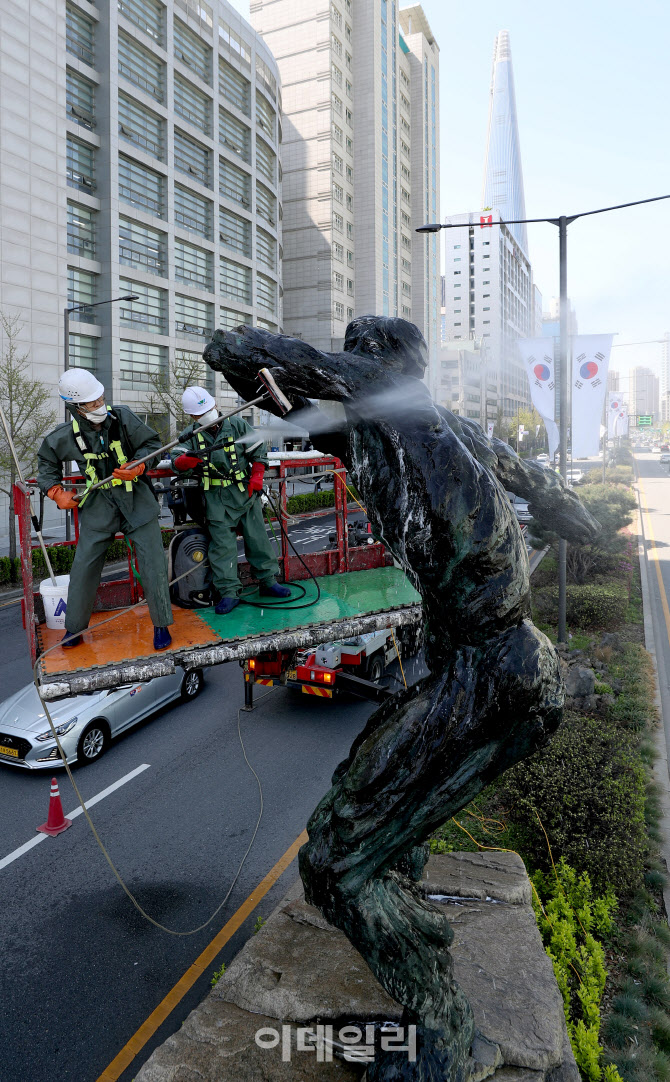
(434, 489)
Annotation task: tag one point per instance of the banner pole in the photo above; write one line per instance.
(563, 428)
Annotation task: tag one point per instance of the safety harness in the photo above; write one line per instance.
(90, 457)
(212, 476)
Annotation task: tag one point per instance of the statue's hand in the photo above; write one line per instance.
(570, 519)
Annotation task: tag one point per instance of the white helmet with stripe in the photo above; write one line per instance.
(79, 385)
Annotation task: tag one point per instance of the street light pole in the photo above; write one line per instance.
(562, 222)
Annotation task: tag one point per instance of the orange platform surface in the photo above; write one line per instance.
(129, 637)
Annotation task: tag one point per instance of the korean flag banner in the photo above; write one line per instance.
(538, 360)
(621, 421)
(615, 405)
(590, 362)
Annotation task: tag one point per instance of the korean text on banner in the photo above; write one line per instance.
(590, 362)
(538, 358)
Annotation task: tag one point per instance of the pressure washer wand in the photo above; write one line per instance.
(33, 516)
(271, 390)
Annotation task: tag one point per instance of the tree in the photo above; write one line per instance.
(529, 420)
(27, 407)
(163, 401)
(611, 505)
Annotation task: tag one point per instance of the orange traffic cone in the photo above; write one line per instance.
(56, 821)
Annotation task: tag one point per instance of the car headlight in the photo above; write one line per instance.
(61, 730)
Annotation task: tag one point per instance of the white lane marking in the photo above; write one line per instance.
(73, 814)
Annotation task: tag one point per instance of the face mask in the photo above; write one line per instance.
(205, 418)
(96, 416)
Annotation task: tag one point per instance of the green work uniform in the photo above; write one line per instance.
(128, 507)
(228, 504)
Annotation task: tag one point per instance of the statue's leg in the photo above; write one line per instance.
(420, 759)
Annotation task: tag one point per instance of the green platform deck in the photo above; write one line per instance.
(342, 597)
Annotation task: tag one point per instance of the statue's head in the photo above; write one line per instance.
(397, 343)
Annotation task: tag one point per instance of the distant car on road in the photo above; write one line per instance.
(86, 723)
(574, 477)
(542, 458)
(665, 457)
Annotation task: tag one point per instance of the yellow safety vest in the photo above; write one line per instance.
(90, 457)
(212, 476)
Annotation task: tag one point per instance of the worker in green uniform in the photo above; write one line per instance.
(232, 480)
(103, 440)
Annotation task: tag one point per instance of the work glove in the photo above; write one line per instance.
(187, 462)
(66, 501)
(129, 471)
(256, 478)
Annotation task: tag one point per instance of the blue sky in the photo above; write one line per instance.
(593, 102)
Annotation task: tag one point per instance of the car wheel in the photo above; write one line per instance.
(192, 684)
(92, 742)
(375, 668)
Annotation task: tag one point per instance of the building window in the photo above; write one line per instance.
(265, 160)
(235, 232)
(406, 265)
(349, 117)
(193, 319)
(147, 14)
(339, 310)
(81, 290)
(142, 127)
(148, 312)
(350, 287)
(83, 351)
(141, 187)
(266, 204)
(350, 145)
(141, 68)
(406, 243)
(192, 158)
(337, 134)
(234, 183)
(337, 75)
(457, 311)
(338, 280)
(80, 99)
(349, 202)
(486, 282)
(350, 174)
(230, 319)
(81, 230)
(80, 165)
(338, 222)
(192, 265)
(234, 134)
(350, 313)
(266, 292)
(457, 259)
(191, 50)
(191, 104)
(141, 365)
(79, 35)
(265, 115)
(338, 192)
(348, 61)
(142, 248)
(337, 16)
(234, 45)
(350, 258)
(338, 251)
(189, 365)
(486, 309)
(193, 212)
(234, 87)
(338, 164)
(336, 44)
(349, 88)
(266, 249)
(235, 280)
(350, 230)
(265, 77)
(337, 104)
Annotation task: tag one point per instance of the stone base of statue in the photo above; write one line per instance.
(299, 1004)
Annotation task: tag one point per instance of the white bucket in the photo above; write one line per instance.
(55, 600)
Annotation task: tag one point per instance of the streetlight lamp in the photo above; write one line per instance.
(77, 308)
(563, 221)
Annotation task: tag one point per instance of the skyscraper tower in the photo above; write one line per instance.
(503, 179)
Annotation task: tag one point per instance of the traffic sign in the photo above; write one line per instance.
(644, 421)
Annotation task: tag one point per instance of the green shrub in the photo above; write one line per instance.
(591, 606)
(588, 787)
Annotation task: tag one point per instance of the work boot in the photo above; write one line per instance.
(273, 589)
(162, 638)
(226, 605)
(69, 640)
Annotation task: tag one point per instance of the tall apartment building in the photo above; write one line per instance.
(140, 145)
(361, 162)
(643, 397)
(665, 378)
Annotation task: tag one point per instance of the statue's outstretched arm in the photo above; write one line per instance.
(305, 372)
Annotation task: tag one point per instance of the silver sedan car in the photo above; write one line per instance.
(85, 723)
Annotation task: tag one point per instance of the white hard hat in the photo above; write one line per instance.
(79, 385)
(196, 401)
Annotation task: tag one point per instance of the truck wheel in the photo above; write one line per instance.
(375, 669)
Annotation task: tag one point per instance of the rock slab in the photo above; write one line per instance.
(299, 971)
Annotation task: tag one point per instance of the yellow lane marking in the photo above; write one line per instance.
(146, 1031)
(650, 531)
(16, 601)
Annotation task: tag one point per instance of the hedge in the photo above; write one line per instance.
(62, 557)
(589, 606)
(310, 501)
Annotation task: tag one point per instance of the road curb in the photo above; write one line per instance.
(661, 769)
